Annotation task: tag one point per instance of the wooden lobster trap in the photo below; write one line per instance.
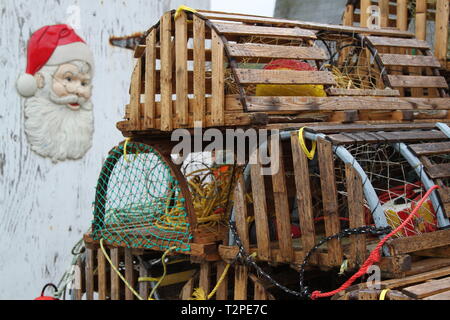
(213, 69)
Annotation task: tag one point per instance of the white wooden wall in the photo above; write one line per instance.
(45, 208)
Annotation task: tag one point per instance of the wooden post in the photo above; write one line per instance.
(282, 212)
(218, 81)
(260, 211)
(329, 198)
(348, 15)
(89, 274)
(240, 206)
(356, 214)
(384, 13)
(129, 273)
(188, 289)
(303, 192)
(240, 282)
(166, 72)
(441, 32)
(402, 15)
(199, 70)
(144, 286)
(181, 58)
(79, 281)
(101, 275)
(205, 275)
(135, 95)
(421, 19)
(364, 15)
(115, 281)
(150, 81)
(222, 291)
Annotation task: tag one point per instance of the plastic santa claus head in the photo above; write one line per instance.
(57, 85)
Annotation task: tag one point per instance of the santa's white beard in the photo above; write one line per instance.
(57, 132)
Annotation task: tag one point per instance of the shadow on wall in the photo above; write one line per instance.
(324, 11)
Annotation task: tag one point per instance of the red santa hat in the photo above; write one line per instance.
(51, 45)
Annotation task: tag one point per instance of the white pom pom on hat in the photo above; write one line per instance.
(26, 85)
(51, 45)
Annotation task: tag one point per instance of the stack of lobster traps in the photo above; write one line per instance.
(355, 149)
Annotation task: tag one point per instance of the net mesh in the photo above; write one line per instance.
(139, 203)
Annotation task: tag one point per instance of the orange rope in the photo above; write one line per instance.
(375, 255)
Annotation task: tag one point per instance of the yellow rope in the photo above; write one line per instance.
(163, 260)
(125, 149)
(199, 293)
(383, 294)
(181, 9)
(309, 153)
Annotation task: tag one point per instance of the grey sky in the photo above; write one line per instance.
(257, 7)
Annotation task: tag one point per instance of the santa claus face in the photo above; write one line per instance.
(59, 117)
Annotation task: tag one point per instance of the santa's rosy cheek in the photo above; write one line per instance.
(59, 89)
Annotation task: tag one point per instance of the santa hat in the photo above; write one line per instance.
(51, 45)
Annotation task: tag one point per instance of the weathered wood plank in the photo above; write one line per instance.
(417, 81)
(441, 31)
(205, 277)
(150, 80)
(437, 171)
(428, 149)
(166, 72)
(356, 214)
(240, 282)
(181, 69)
(260, 211)
(218, 80)
(391, 59)
(329, 199)
(303, 193)
(222, 291)
(129, 273)
(440, 296)
(115, 281)
(243, 29)
(404, 136)
(135, 94)
(282, 212)
(101, 275)
(421, 242)
(428, 288)
(240, 206)
(188, 289)
(363, 92)
(276, 104)
(199, 70)
(90, 257)
(254, 76)
(398, 42)
(274, 51)
(144, 286)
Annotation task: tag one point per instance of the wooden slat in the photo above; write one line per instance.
(240, 282)
(398, 42)
(129, 273)
(181, 69)
(260, 211)
(218, 80)
(417, 81)
(421, 242)
(303, 193)
(273, 51)
(188, 289)
(135, 94)
(242, 29)
(276, 104)
(402, 15)
(437, 171)
(421, 19)
(253, 76)
(144, 286)
(150, 80)
(428, 149)
(390, 59)
(115, 281)
(90, 274)
(240, 206)
(440, 296)
(166, 72)
(441, 31)
(101, 275)
(329, 199)
(282, 212)
(222, 291)
(356, 214)
(199, 70)
(428, 288)
(79, 279)
(205, 277)
(364, 15)
(339, 128)
(362, 92)
(384, 13)
(404, 136)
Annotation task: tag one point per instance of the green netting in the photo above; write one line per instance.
(138, 202)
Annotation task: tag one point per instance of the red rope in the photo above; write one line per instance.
(375, 255)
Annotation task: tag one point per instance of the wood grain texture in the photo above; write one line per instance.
(47, 207)
(218, 80)
(390, 59)
(398, 42)
(242, 29)
(273, 51)
(181, 69)
(150, 81)
(199, 70)
(417, 81)
(166, 72)
(253, 76)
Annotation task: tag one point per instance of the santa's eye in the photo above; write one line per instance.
(69, 79)
(84, 83)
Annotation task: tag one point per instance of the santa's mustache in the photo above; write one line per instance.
(70, 99)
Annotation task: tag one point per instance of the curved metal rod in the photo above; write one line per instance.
(418, 167)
